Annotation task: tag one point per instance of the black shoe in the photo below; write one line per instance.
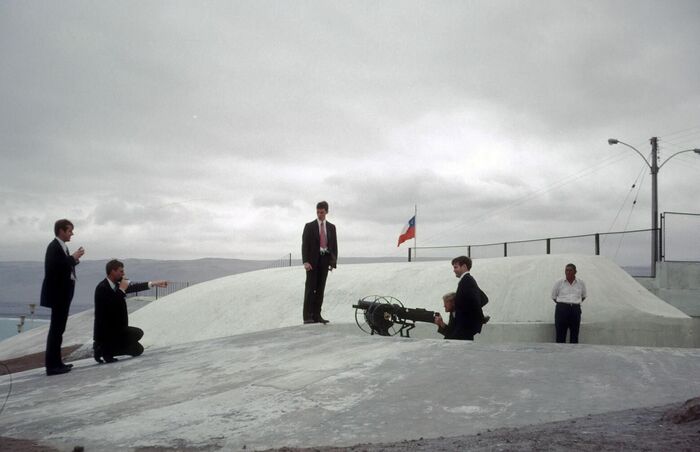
(97, 352)
(110, 359)
(57, 370)
(70, 366)
(307, 321)
(322, 320)
(486, 319)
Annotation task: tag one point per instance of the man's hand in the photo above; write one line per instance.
(160, 283)
(438, 320)
(78, 254)
(123, 285)
(308, 267)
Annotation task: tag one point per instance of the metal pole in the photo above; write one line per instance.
(654, 205)
(597, 244)
(415, 232)
(662, 239)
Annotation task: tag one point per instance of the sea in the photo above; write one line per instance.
(8, 325)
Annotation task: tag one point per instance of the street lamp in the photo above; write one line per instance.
(654, 167)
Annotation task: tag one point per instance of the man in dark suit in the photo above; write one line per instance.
(466, 316)
(450, 330)
(319, 252)
(57, 292)
(112, 334)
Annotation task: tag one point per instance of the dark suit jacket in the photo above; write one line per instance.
(111, 315)
(311, 243)
(57, 287)
(449, 330)
(468, 313)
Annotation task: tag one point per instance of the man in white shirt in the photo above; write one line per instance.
(568, 294)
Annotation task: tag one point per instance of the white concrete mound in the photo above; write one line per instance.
(618, 310)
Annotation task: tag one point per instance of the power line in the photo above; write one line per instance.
(624, 202)
(519, 201)
(634, 204)
(683, 131)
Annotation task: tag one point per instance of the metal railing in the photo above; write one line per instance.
(627, 248)
(284, 261)
(159, 292)
(678, 241)
(681, 224)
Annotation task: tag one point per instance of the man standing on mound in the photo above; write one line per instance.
(319, 252)
(57, 292)
(113, 336)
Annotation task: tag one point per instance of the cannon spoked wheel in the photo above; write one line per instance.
(379, 315)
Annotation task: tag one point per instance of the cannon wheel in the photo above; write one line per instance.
(383, 299)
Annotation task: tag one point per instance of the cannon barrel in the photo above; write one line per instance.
(381, 317)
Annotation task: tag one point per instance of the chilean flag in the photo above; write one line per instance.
(409, 231)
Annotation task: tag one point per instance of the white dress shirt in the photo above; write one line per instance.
(573, 293)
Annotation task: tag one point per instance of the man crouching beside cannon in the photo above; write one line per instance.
(458, 326)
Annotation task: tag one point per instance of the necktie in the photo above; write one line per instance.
(324, 241)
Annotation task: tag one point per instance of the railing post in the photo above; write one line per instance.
(662, 241)
(505, 249)
(156, 292)
(409, 254)
(290, 259)
(597, 244)
(469, 251)
(549, 246)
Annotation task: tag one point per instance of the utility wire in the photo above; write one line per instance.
(519, 201)
(683, 132)
(624, 202)
(629, 216)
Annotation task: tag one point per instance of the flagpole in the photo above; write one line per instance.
(415, 226)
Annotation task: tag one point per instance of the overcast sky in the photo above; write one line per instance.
(211, 129)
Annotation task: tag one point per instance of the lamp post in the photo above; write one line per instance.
(654, 167)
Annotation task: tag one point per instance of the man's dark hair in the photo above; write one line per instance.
(572, 266)
(462, 260)
(322, 205)
(113, 265)
(61, 225)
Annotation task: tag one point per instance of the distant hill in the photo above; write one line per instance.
(21, 281)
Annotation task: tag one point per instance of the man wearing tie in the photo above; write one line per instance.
(319, 252)
(57, 292)
(112, 334)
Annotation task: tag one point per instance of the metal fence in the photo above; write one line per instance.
(676, 227)
(157, 292)
(174, 286)
(284, 261)
(627, 248)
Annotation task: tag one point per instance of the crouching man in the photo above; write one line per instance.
(112, 334)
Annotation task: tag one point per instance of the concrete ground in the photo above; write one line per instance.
(317, 385)
(228, 366)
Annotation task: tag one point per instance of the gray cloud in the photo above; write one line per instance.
(211, 129)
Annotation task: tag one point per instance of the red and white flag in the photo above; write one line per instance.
(409, 231)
